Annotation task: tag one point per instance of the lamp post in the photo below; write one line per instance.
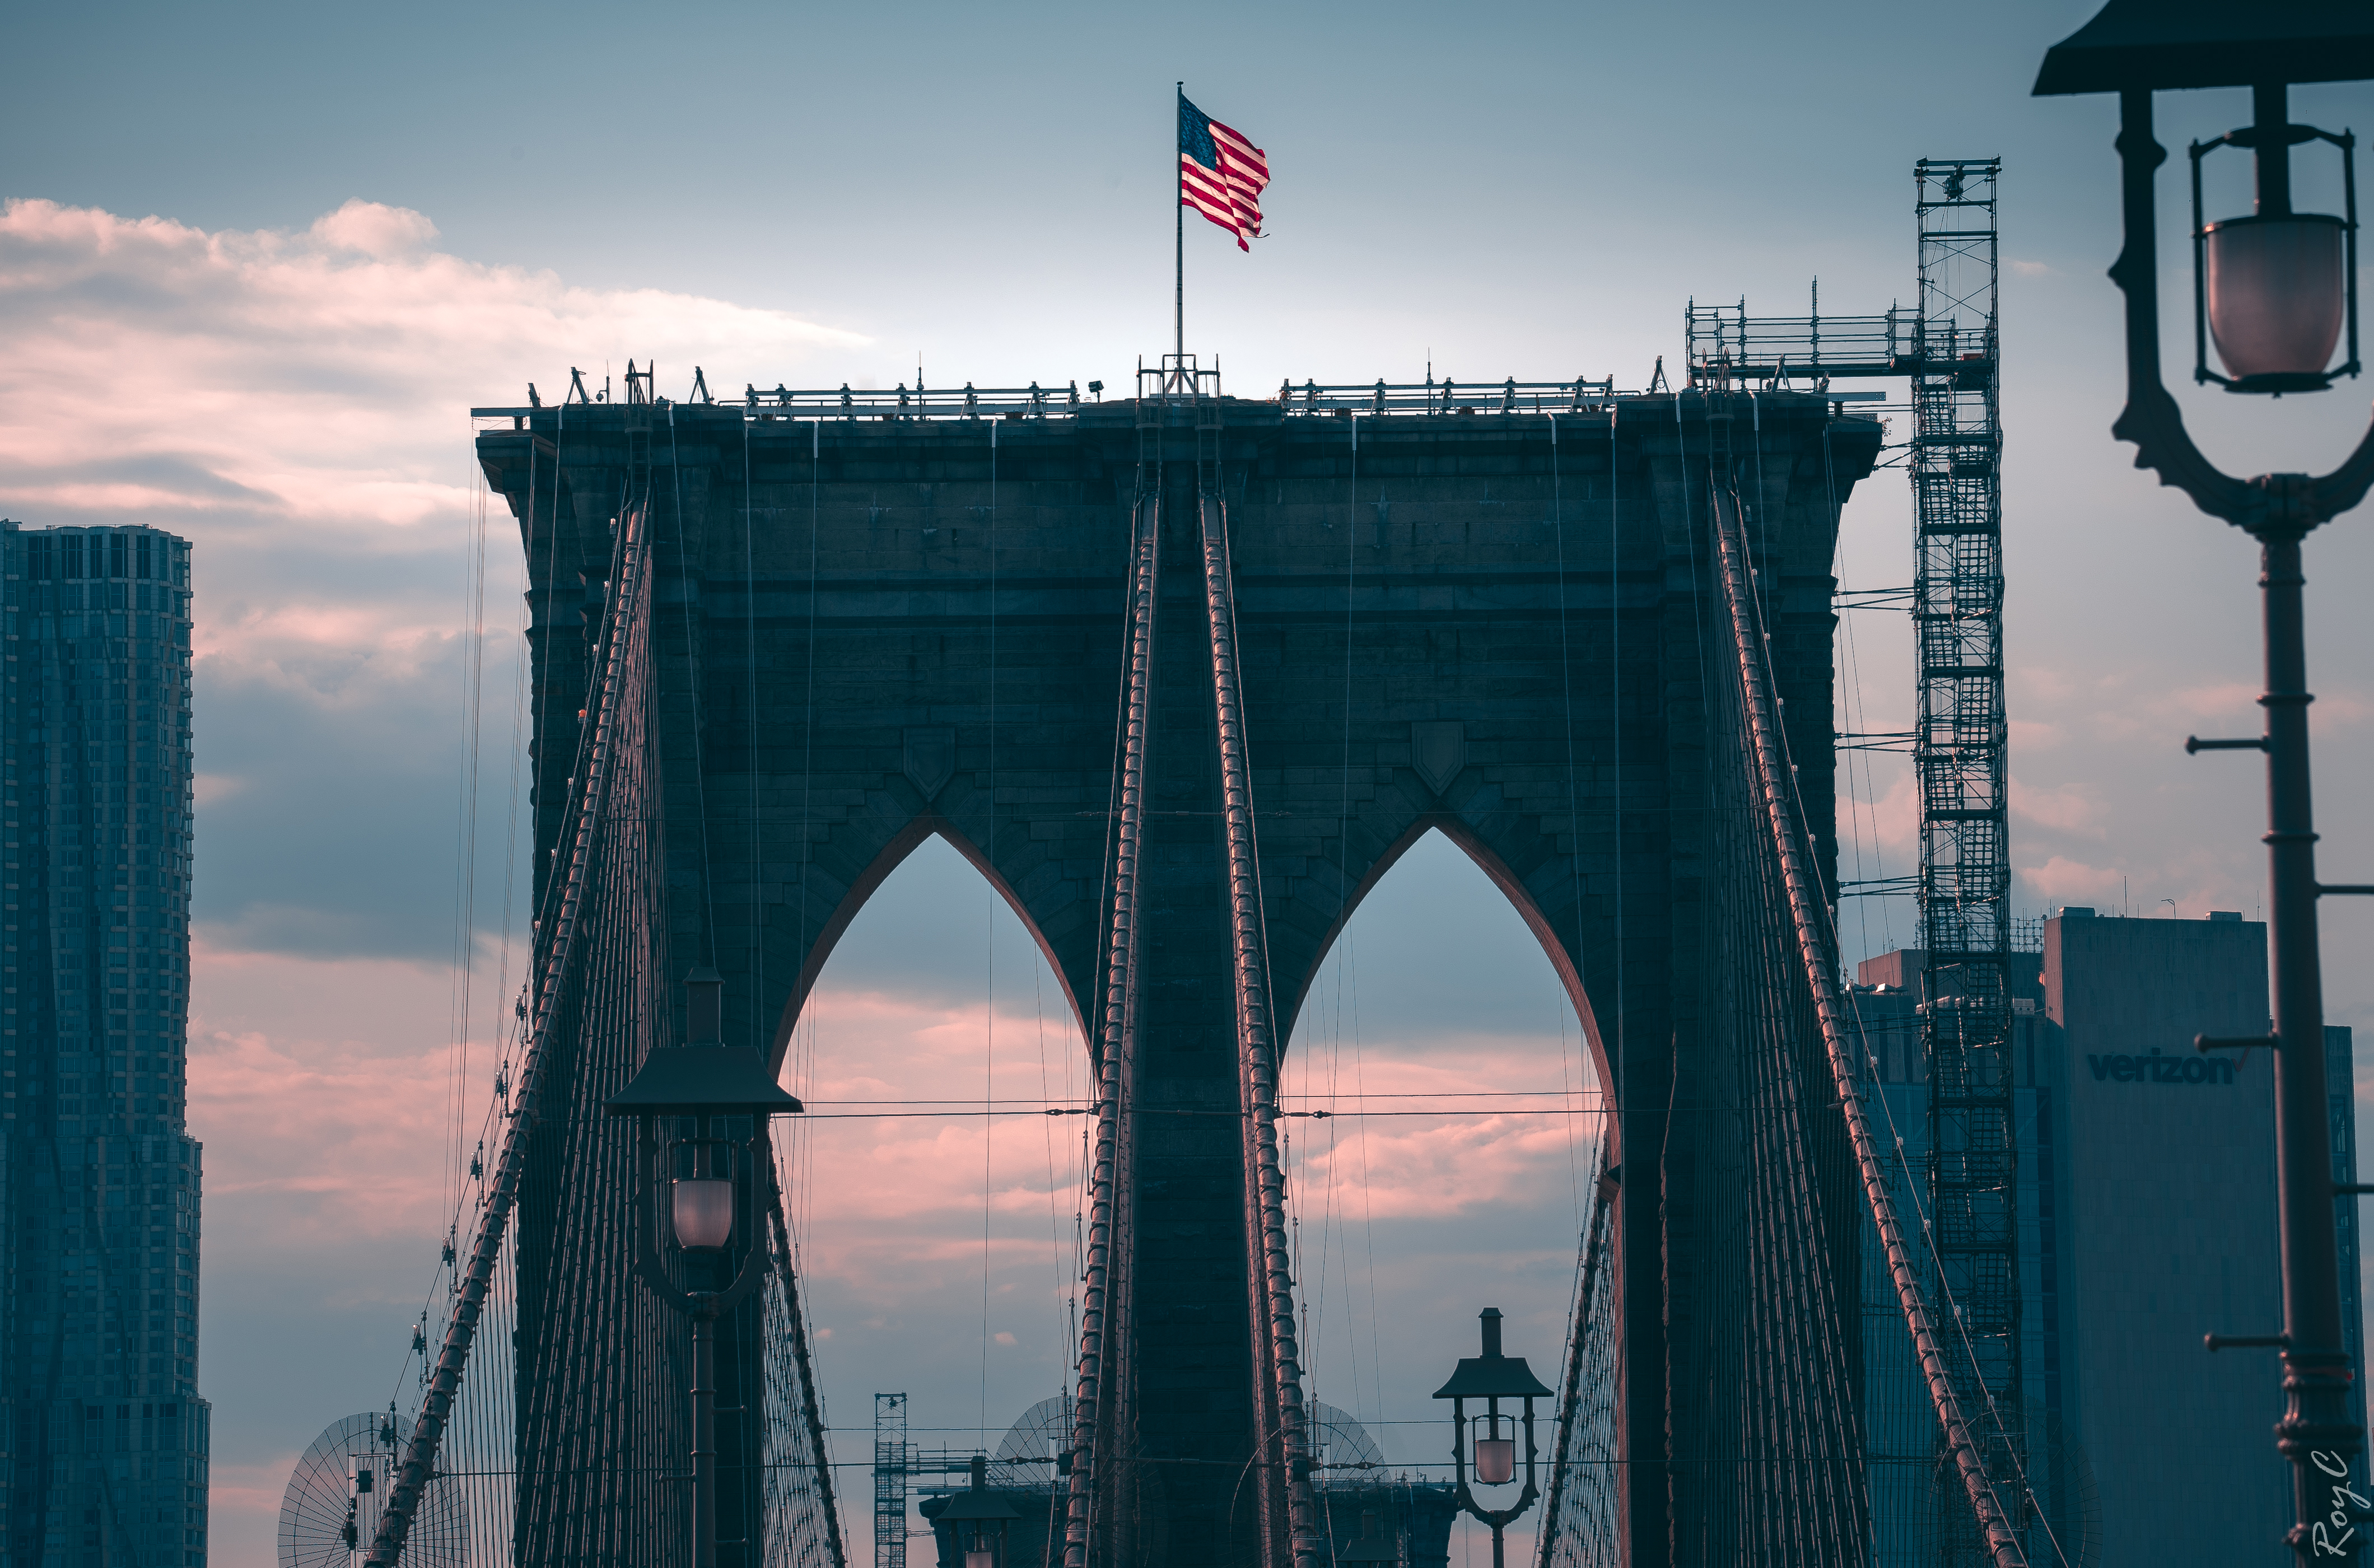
(700, 1110)
(978, 1518)
(1492, 1377)
(1374, 1545)
(2273, 291)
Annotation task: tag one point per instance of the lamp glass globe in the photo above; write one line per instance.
(702, 1208)
(2277, 292)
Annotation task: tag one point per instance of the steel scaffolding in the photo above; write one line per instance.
(1958, 744)
(890, 1480)
(1946, 349)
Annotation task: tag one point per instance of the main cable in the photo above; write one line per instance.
(1779, 802)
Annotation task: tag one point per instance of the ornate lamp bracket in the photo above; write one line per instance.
(650, 1267)
(2272, 506)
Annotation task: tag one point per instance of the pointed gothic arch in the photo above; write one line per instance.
(918, 831)
(1510, 887)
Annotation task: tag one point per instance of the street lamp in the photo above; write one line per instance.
(700, 1110)
(977, 1519)
(2273, 291)
(1492, 1436)
(1374, 1545)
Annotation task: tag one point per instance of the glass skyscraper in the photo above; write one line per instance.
(105, 1437)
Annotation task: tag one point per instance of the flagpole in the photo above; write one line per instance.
(1179, 257)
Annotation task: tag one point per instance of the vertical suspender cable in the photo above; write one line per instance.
(624, 621)
(1595, 1273)
(761, 1033)
(811, 1410)
(1616, 733)
(804, 1160)
(989, 1012)
(692, 687)
(1257, 1051)
(1670, 1467)
(811, 1401)
(1594, 1264)
(1771, 784)
(1096, 1430)
(1574, 799)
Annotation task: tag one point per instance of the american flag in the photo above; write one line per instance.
(1220, 174)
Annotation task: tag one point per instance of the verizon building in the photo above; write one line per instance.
(2147, 1220)
(2171, 1232)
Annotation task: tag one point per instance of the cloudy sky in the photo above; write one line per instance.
(256, 263)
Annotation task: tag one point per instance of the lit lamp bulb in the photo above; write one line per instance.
(1496, 1459)
(702, 1208)
(2277, 292)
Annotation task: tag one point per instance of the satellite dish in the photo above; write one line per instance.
(1336, 1438)
(1025, 1454)
(338, 1490)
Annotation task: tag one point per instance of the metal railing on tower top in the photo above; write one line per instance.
(1508, 395)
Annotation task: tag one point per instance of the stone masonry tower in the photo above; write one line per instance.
(871, 629)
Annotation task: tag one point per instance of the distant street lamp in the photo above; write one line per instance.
(977, 1518)
(1492, 1377)
(1374, 1545)
(700, 1111)
(2273, 291)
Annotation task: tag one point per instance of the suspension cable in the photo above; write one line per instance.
(1787, 827)
(622, 622)
(1257, 1051)
(1106, 1276)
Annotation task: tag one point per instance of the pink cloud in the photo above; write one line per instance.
(2229, 700)
(322, 1091)
(374, 229)
(2070, 808)
(250, 1492)
(894, 1207)
(2129, 704)
(296, 402)
(313, 383)
(1891, 821)
(889, 1194)
(2041, 683)
(2037, 733)
(2062, 880)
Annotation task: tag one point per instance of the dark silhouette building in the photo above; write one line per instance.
(2146, 1202)
(105, 1437)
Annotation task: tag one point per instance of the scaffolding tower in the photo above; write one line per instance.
(890, 1480)
(897, 1463)
(1959, 754)
(1946, 349)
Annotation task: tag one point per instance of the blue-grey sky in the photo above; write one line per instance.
(367, 219)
